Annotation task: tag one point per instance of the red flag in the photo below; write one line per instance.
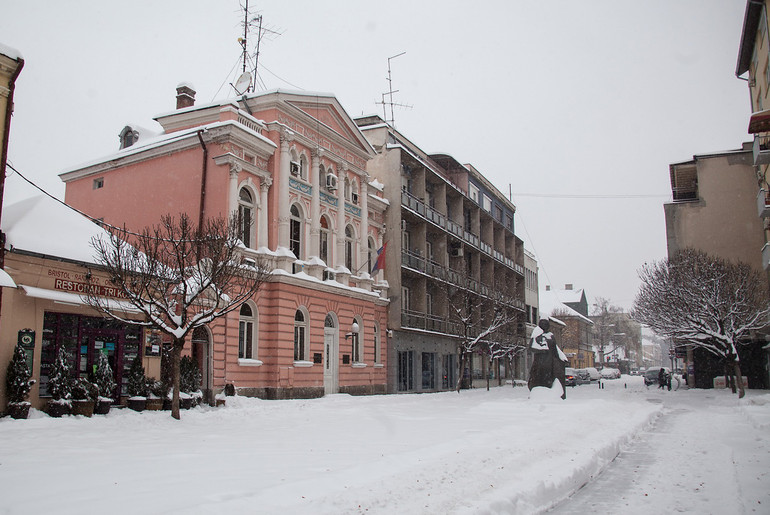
(380, 263)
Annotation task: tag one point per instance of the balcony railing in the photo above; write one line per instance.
(761, 151)
(763, 204)
(428, 213)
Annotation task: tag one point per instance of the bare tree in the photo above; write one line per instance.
(705, 302)
(614, 329)
(178, 276)
(479, 319)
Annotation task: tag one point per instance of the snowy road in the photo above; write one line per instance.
(706, 453)
(498, 452)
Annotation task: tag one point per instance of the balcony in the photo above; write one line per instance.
(766, 256)
(761, 151)
(763, 204)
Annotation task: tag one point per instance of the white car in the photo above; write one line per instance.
(610, 373)
(593, 374)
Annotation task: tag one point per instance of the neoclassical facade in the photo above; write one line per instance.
(293, 167)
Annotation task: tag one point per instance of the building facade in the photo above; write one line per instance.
(570, 307)
(292, 167)
(449, 232)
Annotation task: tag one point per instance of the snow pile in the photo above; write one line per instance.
(502, 451)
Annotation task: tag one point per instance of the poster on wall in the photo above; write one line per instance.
(27, 342)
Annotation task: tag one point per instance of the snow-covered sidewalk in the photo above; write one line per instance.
(474, 452)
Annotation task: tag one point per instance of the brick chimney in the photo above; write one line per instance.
(185, 95)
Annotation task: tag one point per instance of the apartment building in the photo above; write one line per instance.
(449, 232)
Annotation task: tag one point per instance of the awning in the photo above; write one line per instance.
(74, 299)
(759, 122)
(6, 280)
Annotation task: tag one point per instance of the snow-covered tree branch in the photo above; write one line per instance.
(178, 276)
(703, 301)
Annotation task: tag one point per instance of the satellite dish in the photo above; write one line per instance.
(243, 83)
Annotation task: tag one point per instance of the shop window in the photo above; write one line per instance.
(405, 371)
(428, 371)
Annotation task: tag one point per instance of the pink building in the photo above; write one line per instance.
(294, 166)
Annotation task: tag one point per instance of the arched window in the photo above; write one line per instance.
(371, 255)
(347, 188)
(295, 232)
(247, 332)
(303, 166)
(245, 216)
(356, 351)
(377, 344)
(349, 247)
(301, 351)
(324, 240)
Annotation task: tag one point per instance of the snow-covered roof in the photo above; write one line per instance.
(554, 301)
(44, 226)
(10, 52)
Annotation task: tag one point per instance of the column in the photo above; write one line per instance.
(315, 204)
(232, 192)
(264, 186)
(283, 191)
(363, 240)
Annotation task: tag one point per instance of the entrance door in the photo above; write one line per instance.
(201, 351)
(103, 341)
(331, 359)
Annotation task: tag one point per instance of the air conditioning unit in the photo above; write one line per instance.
(294, 168)
(331, 182)
(354, 198)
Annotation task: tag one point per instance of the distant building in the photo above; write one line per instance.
(570, 307)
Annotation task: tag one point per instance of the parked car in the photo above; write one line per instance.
(593, 374)
(610, 373)
(571, 377)
(651, 375)
(583, 374)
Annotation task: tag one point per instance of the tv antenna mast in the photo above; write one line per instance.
(245, 82)
(389, 94)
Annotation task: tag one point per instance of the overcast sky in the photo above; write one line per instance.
(575, 107)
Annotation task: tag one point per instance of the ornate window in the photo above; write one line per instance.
(247, 334)
(377, 344)
(301, 350)
(324, 240)
(245, 217)
(349, 247)
(295, 232)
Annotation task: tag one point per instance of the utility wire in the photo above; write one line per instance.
(590, 196)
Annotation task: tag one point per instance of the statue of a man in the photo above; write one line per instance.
(549, 361)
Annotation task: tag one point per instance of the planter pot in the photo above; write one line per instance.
(185, 402)
(103, 406)
(154, 404)
(18, 410)
(83, 407)
(58, 409)
(137, 403)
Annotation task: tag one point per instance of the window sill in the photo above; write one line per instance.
(379, 365)
(249, 362)
(358, 365)
(303, 364)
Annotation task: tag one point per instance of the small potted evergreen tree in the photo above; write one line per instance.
(18, 382)
(155, 394)
(189, 382)
(105, 384)
(60, 385)
(137, 385)
(84, 394)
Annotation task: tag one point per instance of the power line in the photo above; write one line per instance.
(591, 195)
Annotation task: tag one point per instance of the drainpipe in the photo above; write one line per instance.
(203, 178)
(4, 155)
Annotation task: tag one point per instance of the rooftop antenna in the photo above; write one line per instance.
(250, 23)
(389, 94)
